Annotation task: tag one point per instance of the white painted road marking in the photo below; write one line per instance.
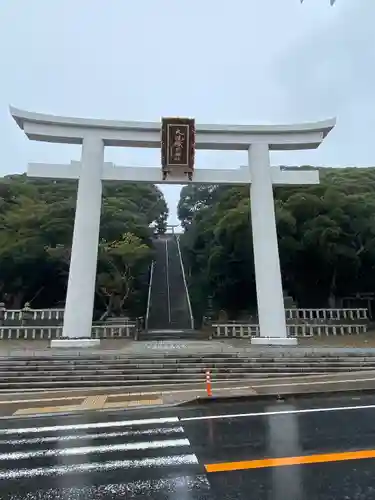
(76, 437)
(94, 425)
(168, 461)
(154, 436)
(281, 412)
(177, 486)
(85, 450)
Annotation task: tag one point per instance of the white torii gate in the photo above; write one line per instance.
(94, 135)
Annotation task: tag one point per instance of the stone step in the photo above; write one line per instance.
(202, 358)
(151, 376)
(155, 376)
(60, 356)
(132, 364)
(14, 370)
(170, 385)
(153, 361)
(161, 371)
(76, 384)
(190, 370)
(131, 357)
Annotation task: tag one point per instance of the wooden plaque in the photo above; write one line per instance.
(178, 144)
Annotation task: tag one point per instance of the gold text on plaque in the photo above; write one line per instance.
(177, 145)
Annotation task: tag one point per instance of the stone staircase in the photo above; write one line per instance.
(120, 372)
(158, 316)
(169, 310)
(179, 301)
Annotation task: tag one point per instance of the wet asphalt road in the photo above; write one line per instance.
(161, 454)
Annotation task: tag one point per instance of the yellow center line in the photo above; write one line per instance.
(284, 461)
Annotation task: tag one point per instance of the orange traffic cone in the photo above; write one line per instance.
(208, 384)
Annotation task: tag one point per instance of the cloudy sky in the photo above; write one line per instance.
(237, 61)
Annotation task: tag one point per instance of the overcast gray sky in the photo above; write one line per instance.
(237, 61)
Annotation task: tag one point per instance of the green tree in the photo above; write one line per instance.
(326, 238)
(36, 220)
(120, 262)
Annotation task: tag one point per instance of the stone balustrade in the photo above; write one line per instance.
(327, 314)
(55, 332)
(248, 330)
(32, 324)
(40, 317)
(304, 323)
(114, 331)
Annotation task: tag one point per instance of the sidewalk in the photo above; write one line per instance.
(44, 403)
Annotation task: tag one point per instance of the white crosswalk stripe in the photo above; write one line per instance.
(156, 451)
(73, 437)
(95, 425)
(99, 466)
(95, 449)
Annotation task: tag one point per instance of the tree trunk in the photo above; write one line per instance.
(108, 310)
(17, 300)
(332, 291)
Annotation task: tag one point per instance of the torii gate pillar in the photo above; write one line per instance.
(94, 135)
(270, 298)
(79, 304)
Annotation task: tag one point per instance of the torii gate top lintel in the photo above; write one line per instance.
(61, 129)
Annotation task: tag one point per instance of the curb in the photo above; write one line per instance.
(78, 413)
(275, 396)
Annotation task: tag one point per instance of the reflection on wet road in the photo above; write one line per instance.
(311, 449)
(325, 440)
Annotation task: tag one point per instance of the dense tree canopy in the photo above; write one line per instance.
(326, 239)
(36, 221)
